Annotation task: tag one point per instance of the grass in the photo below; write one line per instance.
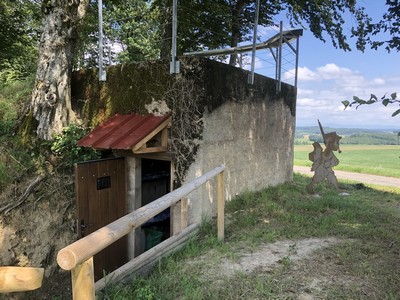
(14, 160)
(362, 266)
(370, 159)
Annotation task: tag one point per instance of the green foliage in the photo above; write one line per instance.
(19, 23)
(140, 289)
(382, 33)
(143, 28)
(64, 146)
(15, 160)
(134, 24)
(13, 95)
(385, 101)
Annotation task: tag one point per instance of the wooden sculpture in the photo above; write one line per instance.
(324, 160)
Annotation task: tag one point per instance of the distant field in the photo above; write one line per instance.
(371, 159)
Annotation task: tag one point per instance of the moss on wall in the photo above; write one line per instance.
(127, 89)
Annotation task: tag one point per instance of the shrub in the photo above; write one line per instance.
(65, 147)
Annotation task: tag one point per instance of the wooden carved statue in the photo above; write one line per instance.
(324, 160)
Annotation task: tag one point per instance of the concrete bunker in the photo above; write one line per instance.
(217, 118)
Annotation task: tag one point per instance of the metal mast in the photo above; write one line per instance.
(174, 65)
(253, 55)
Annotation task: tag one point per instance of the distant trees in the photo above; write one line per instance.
(362, 138)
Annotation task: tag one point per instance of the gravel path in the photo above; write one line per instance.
(358, 177)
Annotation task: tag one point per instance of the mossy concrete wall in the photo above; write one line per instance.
(217, 118)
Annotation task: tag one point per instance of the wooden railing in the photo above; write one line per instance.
(20, 279)
(78, 256)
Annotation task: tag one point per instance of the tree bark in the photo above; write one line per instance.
(51, 96)
(166, 44)
(235, 29)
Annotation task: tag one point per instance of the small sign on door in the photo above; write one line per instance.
(103, 182)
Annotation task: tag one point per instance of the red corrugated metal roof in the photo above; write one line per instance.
(122, 132)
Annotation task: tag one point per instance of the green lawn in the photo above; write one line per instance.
(362, 265)
(370, 159)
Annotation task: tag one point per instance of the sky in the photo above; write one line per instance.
(327, 76)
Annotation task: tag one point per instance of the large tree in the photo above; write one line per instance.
(51, 96)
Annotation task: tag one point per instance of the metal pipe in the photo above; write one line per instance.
(297, 62)
(280, 56)
(253, 55)
(173, 66)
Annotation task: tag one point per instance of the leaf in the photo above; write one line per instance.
(396, 113)
(346, 103)
(385, 102)
(373, 97)
(361, 101)
(394, 96)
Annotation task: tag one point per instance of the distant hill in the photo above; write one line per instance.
(310, 134)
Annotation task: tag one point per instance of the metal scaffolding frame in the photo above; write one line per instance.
(274, 43)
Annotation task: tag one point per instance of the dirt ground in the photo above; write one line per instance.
(358, 177)
(313, 270)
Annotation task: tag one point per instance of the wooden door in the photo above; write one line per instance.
(101, 199)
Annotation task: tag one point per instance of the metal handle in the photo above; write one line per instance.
(83, 226)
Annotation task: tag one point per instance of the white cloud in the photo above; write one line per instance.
(321, 90)
(378, 81)
(304, 74)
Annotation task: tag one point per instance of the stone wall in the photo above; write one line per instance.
(254, 140)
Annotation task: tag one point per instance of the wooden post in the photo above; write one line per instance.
(179, 216)
(184, 207)
(176, 219)
(83, 281)
(221, 206)
(19, 279)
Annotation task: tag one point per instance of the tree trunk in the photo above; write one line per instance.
(51, 96)
(235, 29)
(166, 44)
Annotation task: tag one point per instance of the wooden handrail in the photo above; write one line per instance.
(19, 279)
(78, 252)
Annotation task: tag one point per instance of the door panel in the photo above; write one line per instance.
(101, 199)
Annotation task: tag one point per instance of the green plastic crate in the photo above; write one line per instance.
(152, 238)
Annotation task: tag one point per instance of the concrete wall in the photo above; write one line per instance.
(255, 142)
